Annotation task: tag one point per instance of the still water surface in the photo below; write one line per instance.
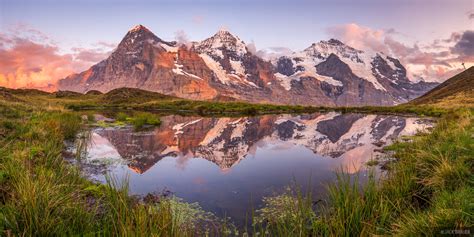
(228, 164)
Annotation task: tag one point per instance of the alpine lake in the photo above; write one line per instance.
(229, 164)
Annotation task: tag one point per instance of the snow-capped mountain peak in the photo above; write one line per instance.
(358, 61)
(227, 56)
(138, 35)
(224, 33)
(138, 28)
(137, 38)
(323, 49)
(222, 40)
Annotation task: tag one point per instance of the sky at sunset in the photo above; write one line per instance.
(42, 41)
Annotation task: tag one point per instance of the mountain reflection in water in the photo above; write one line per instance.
(226, 163)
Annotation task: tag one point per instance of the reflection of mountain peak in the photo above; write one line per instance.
(226, 141)
(337, 126)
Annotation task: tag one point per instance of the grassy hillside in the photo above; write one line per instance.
(131, 96)
(457, 91)
(136, 99)
(140, 100)
(133, 99)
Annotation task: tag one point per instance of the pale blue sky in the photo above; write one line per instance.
(293, 24)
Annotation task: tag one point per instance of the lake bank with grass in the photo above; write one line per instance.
(427, 188)
(229, 164)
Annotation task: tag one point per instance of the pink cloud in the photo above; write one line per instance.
(433, 62)
(28, 64)
(359, 37)
(32, 61)
(270, 53)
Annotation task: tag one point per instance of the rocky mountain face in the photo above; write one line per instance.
(142, 60)
(221, 67)
(227, 141)
(348, 76)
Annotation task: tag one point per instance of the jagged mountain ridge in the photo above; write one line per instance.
(327, 73)
(338, 66)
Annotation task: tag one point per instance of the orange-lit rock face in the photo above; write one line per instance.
(199, 90)
(165, 60)
(143, 60)
(137, 169)
(140, 66)
(193, 64)
(266, 75)
(87, 75)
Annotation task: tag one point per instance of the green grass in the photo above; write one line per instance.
(289, 214)
(427, 190)
(372, 162)
(193, 107)
(132, 100)
(140, 120)
(43, 195)
(208, 108)
(127, 99)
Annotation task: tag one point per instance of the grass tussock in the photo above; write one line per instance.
(140, 120)
(288, 213)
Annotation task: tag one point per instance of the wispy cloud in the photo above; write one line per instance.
(470, 15)
(182, 38)
(103, 44)
(269, 53)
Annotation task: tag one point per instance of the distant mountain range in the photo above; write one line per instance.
(221, 67)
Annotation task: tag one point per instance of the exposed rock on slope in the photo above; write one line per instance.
(327, 73)
(349, 76)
